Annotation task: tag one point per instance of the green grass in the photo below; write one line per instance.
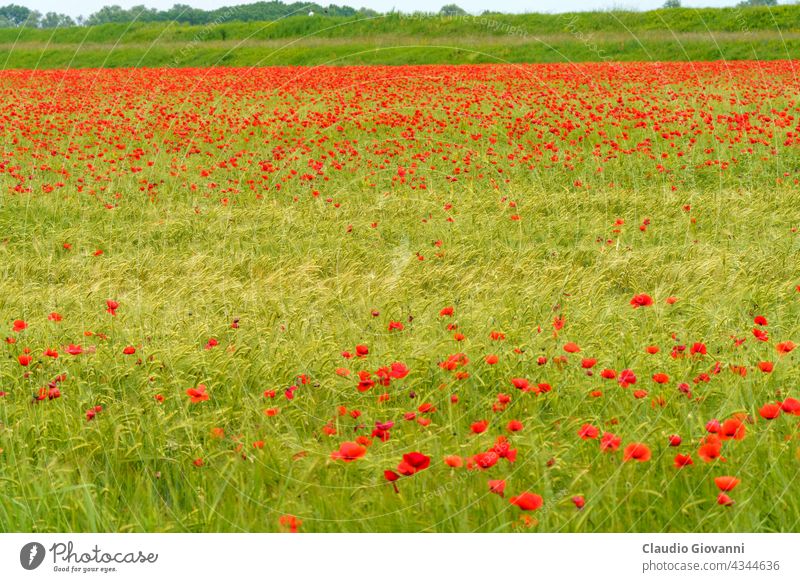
(679, 34)
(183, 266)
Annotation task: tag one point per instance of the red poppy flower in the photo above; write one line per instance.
(587, 431)
(348, 452)
(682, 460)
(362, 350)
(19, 325)
(610, 442)
(198, 394)
(770, 411)
(626, 378)
(491, 359)
(497, 486)
(398, 370)
(732, 428)
(527, 501)
(413, 463)
(726, 483)
(724, 499)
(636, 452)
(446, 312)
(698, 348)
(571, 348)
(766, 367)
(710, 450)
(514, 426)
(791, 406)
(479, 426)
(291, 522)
(785, 347)
(454, 461)
(641, 300)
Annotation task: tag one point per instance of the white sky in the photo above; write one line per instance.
(86, 7)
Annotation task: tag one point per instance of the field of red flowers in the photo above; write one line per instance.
(451, 298)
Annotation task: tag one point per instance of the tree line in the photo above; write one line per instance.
(14, 15)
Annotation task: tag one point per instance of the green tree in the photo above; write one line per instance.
(672, 4)
(452, 10)
(54, 20)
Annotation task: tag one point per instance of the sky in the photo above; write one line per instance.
(86, 7)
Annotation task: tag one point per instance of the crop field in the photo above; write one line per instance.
(477, 298)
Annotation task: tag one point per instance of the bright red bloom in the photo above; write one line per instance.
(24, 360)
(290, 522)
(785, 347)
(732, 428)
(198, 394)
(587, 431)
(636, 452)
(698, 348)
(497, 486)
(710, 450)
(726, 483)
(74, 350)
(479, 426)
(770, 411)
(514, 426)
(571, 348)
(413, 463)
(626, 378)
(682, 460)
(348, 452)
(527, 501)
(610, 442)
(398, 370)
(641, 300)
(454, 461)
(19, 325)
(791, 406)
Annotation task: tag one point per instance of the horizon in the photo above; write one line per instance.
(85, 8)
